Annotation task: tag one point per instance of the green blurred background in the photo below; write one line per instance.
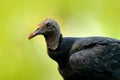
(21, 59)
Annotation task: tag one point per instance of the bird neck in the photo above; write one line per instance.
(52, 40)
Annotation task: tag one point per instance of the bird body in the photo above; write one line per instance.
(88, 58)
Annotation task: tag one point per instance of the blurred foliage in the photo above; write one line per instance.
(21, 59)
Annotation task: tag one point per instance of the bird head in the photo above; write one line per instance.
(46, 27)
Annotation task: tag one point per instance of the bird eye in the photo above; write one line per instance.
(48, 24)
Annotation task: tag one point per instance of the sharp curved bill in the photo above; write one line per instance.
(32, 35)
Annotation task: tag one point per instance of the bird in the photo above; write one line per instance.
(80, 58)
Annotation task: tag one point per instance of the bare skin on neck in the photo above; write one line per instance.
(52, 41)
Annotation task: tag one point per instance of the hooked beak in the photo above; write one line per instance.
(38, 31)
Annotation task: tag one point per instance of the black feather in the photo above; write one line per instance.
(90, 58)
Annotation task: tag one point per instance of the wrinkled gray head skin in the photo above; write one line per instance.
(51, 22)
(51, 26)
(51, 31)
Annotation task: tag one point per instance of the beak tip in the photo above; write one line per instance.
(33, 34)
(30, 36)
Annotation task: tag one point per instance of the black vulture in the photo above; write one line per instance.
(85, 58)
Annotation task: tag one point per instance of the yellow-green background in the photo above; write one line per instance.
(21, 59)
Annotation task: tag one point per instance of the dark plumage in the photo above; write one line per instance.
(89, 58)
